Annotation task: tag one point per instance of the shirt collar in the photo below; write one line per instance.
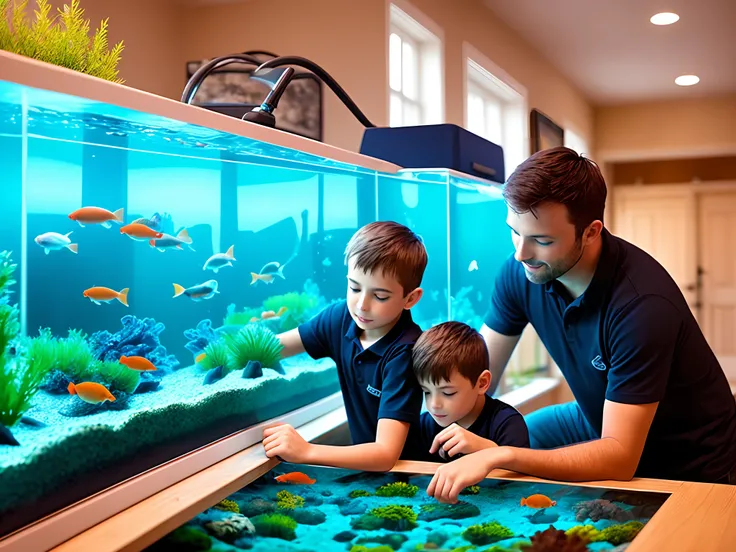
(381, 346)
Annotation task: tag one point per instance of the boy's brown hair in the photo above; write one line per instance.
(392, 249)
(559, 175)
(447, 347)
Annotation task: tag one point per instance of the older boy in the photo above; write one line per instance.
(452, 366)
(369, 336)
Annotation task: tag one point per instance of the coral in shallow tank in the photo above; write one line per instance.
(600, 509)
(288, 501)
(399, 488)
(487, 533)
(227, 506)
(395, 517)
(619, 534)
(277, 526)
(136, 338)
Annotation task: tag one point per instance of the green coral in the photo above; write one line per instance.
(487, 533)
(619, 534)
(62, 39)
(217, 354)
(288, 501)
(254, 342)
(357, 493)
(227, 506)
(472, 490)
(20, 377)
(277, 526)
(398, 488)
(394, 517)
(586, 532)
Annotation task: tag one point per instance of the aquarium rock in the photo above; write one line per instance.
(148, 383)
(136, 338)
(253, 369)
(307, 516)
(461, 510)
(542, 517)
(216, 374)
(256, 507)
(344, 536)
(32, 422)
(353, 508)
(393, 540)
(200, 337)
(6, 438)
(56, 383)
(230, 528)
(600, 509)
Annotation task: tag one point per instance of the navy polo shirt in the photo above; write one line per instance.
(377, 382)
(498, 422)
(631, 338)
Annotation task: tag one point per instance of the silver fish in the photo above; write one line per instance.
(220, 260)
(199, 292)
(53, 241)
(168, 241)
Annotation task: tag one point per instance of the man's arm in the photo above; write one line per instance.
(292, 343)
(500, 347)
(614, 456)
(285, 442)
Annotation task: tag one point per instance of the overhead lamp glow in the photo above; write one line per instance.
(665, 18)
(687, 80)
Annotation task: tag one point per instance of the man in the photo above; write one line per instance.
(651, 398)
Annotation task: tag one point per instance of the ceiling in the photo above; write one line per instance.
(611, 52)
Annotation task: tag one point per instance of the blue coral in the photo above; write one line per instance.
(200, 337)
(136, 338)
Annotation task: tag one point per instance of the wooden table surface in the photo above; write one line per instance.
(697, 517)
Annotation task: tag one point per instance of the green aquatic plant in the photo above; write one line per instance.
(227, 506)
(586, 532)
(619, 534)
(487, 533)
(299, 308)
(240, 318)
(472, 490)
(71, 355)
(398, 488)
(288, 501)
(254, 342)
(20, 379)
(277, 526)
(217, 354)
(357, 493)
(61, 39)
(114, 376)
(395, 517)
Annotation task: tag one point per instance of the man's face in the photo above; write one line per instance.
(545, 244)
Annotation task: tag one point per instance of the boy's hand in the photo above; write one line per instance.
(283, 441)
(455, 440)
(450, 479)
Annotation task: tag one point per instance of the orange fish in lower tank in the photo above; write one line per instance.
(91, 392)
(296, 478)
(538, 501)
(138, 363)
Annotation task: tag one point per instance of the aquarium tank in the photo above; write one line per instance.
(147, 266)
(314, 509)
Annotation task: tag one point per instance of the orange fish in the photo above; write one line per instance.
(296, 478)
(90, 392)
(139, 363)
(200, 357)
(100, 295)
(97, 215)
(538, 501)
(140, 232)
(265, 315)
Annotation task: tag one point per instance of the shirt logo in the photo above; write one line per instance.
(598, 363)
(373, 391)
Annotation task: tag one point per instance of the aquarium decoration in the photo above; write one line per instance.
(138, 337)
(364, 512)
(61, 39)
(200, 337)
(255, 342)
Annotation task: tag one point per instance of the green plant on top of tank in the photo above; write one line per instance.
(288, 501)
(114, 376)
(277, 526)
(60, 39)
(357, 493)
(619, 534)
(254, 342)
(227, 506)
(472, 490)
(487, 533)
(399, 488)
(240, 318)
(217, 354)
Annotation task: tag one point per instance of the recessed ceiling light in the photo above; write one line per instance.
(687, 80)
(665, 18)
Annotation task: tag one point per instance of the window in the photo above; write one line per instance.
(495, 108)
(415, 69)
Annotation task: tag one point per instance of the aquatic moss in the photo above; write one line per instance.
(472, 490)
(487, 533)
(71, 355)
(288, 501)
(619, 534)
(585, 532)
(395, 517)
(62, 39)
(399, 488)
(357, 493)
(183, 538)
(254, 342)
(114, 376)
(227, 506)
(277, 526)
(217, 354)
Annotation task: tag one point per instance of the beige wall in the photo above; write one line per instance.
(349, 39)
(702, 127)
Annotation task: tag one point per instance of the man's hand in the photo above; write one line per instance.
(450, 479)
(283, 441)
(455, 439)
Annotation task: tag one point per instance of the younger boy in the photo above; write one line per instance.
(452, 366)
(369, 336)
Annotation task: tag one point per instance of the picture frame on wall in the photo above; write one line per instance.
(545, 133)
(231, 91)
